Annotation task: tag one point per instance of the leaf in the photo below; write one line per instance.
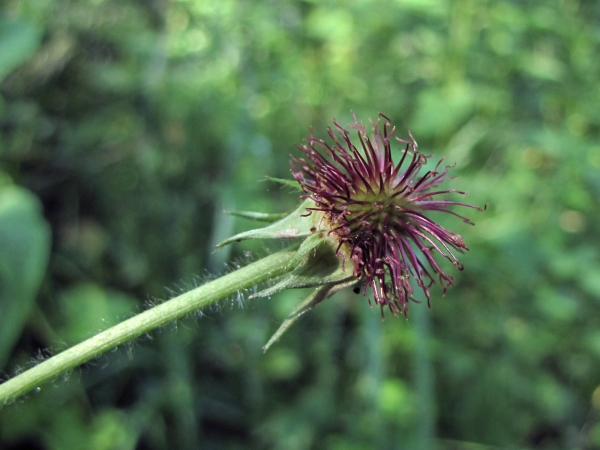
(24, 251)
(19, 39)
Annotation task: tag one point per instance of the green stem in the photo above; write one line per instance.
(258, 272)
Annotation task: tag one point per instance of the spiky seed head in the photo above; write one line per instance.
(378, 209)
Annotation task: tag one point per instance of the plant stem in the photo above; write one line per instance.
(255, 273)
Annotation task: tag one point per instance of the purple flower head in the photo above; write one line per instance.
(377, 208)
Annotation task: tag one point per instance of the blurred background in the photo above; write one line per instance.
(127, 127)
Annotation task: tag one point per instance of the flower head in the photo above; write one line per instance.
(377, 208)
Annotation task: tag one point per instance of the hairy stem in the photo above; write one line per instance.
(255, 273)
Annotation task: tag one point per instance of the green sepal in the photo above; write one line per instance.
(316, 297)
(291, 183)
(319, 260)
(316, 265)
(295, 225)
(261, 217)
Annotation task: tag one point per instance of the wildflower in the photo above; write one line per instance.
(377, 209)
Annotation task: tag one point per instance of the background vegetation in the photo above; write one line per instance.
(128, 126)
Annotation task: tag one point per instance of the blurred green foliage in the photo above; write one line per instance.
(136, 123)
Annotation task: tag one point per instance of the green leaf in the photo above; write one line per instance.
(24, 250)
(19, 39)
